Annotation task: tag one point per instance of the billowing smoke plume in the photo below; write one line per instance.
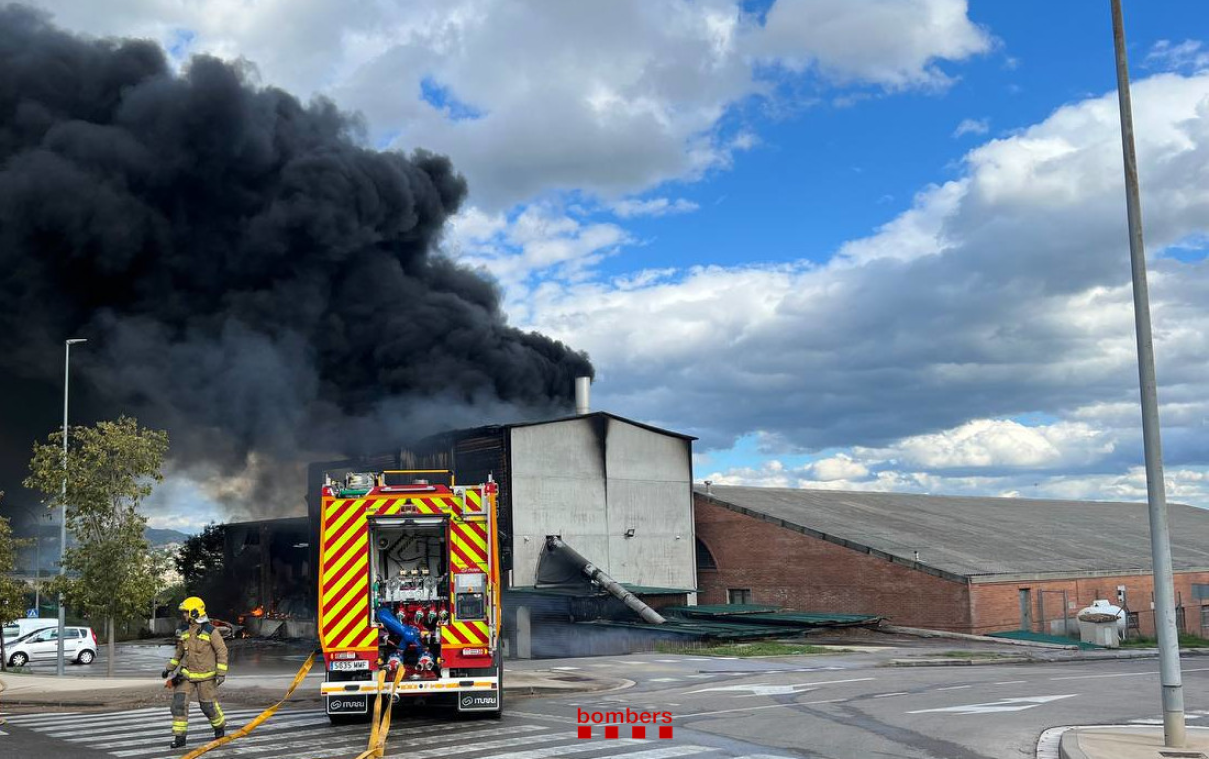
(247, 272)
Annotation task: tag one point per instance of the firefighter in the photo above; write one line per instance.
(200, 664)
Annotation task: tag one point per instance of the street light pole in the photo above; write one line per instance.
(1174, 733)
(63, 523)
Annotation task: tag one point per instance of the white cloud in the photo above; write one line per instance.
(1188, 485)
(1003, 444)
(893, 43)
(1000, 293)
(972, 126)
(838, 467)
(627, 209)
(531, 97)
(1189, 55)
(541, 242)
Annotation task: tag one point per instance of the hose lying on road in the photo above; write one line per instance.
(258, 719)
(377, 735)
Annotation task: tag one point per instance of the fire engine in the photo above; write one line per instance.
(409, 579)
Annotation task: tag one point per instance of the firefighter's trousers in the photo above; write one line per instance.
(207, 698)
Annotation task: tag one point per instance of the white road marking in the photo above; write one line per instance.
(1122, 674)
(757, 708)
(896, 693)
(127, 740)
(760, 689)
(665, 753)
(462, 748)
(956, 687)
(1011, 682)
(157, 721)
(664, 680)
(555, 751)
(1003, 705)
(567, 669)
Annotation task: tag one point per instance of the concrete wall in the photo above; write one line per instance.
(592, 478)
(786, 568)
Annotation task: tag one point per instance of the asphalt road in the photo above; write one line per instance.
(840, 706)
(146, 659)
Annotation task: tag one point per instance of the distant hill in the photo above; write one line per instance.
(157, 537)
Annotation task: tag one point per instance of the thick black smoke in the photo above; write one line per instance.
(247, 272)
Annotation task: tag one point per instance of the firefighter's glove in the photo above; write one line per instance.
(220, 679)
(165, 673)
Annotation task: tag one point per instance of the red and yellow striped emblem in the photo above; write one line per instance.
(468, 545)
(457, 634)
(344, 613)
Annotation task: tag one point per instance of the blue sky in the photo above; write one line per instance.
(827, 174)
(870, 245)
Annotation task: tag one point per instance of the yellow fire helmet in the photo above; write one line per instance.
(194, 607)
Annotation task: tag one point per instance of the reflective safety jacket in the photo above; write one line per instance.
(200, 652)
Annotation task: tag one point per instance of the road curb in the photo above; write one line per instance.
(980, 662)
(1068, 746)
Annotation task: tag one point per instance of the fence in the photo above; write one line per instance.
(1190, 619)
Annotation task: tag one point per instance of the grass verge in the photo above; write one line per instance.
(1186, 641)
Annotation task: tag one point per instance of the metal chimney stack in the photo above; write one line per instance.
(583, 386)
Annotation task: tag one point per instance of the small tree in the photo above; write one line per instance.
(110, 469)
(200, 561)
(12, 592)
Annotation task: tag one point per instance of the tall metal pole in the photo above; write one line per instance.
(1174, 734)
(63, 522)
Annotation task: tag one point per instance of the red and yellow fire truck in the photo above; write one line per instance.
(409, 579)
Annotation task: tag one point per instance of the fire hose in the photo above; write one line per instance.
(260, 718)
(378, 732)
(381, 724)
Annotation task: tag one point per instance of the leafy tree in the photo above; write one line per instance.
(12, 592)
(110, 469)
(200, 561)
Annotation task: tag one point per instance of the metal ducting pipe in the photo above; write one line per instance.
(583, 386)
(597, 575)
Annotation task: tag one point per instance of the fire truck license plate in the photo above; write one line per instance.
(348, 665)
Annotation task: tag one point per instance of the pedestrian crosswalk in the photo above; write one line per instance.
(307, 734)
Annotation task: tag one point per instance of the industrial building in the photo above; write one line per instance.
(964, 564)
(617, 491)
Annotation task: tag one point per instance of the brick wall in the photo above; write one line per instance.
(786, 568)
(996, 606)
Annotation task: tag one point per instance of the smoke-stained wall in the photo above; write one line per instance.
(248, 272)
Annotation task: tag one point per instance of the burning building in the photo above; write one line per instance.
(267, 577)
(619, 492)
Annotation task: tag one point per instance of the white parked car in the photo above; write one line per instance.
(79, 646)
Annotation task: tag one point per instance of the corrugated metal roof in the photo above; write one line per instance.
(962, 536)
